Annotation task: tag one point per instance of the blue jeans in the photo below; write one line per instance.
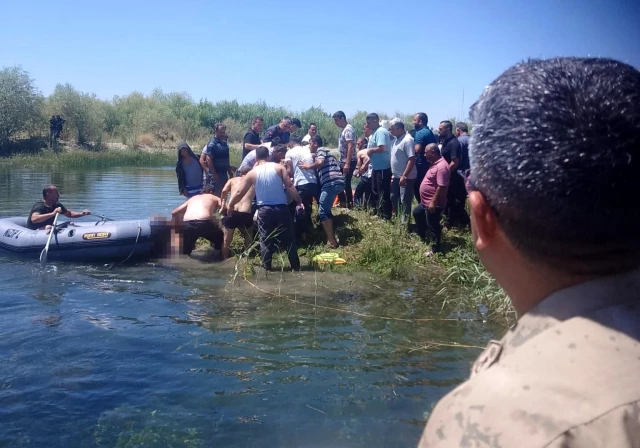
(327, 196)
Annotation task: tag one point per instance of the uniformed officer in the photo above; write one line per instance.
(554, 191)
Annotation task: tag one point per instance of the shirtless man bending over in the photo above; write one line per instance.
(195, 220)
(242, 218)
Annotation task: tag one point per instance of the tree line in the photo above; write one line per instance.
(158, 119)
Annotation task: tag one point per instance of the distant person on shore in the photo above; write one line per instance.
(423, 136)
(43, 212)
(331, 184)
(403, 170)
(195, 219)
(347, 149)
(242, 217)
(380, 154)
(189, 171)
(251, 139)
(59, 126)
(433, 198)
(311, 132)
(216, 158)
(552, 224)
(274, 220)
(53, 129)
(281, 130)
(305, 182)
(455, 213)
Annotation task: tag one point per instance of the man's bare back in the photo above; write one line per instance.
(245, 203)
(201, 206)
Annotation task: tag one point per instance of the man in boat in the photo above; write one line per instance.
(241, 219)
(43, 212)
(195, 219)
(554, 170)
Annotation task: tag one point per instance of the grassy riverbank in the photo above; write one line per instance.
(387, 251)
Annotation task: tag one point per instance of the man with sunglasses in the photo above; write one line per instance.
(555, 218)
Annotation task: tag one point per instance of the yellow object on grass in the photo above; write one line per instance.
(328, 258)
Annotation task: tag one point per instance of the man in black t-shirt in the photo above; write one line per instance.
(43, 212)
(455, 212)
(251, 138)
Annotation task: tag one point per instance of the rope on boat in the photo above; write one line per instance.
(132, 249)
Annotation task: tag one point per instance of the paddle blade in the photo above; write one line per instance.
(43, 256)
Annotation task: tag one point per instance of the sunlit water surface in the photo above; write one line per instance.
(173, 355)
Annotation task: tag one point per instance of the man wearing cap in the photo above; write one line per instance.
(551, 223)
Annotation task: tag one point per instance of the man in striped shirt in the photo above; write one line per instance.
(331, 184)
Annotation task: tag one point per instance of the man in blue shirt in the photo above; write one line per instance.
(216, 158)
(423, 137)
(282, 130)
(379, 153)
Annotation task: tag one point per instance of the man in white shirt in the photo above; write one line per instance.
(311, 132)
(305, 181)
(403, 170)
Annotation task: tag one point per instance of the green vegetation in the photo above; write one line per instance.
(158, 120)
(89, 159)
(387, 250)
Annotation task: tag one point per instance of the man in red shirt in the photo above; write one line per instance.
(433, 198)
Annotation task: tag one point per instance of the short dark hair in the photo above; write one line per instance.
(398, 124)
(256, 119)
(280, 148)
(313, 124)
(423, 117)
(262, 153)
(219, 125)
(316, 139)
(48, 189)
(373, 116)
(562, 137)
(447, 124)
(339, 114)
(296, 122)
(462, 126)
(296, 140)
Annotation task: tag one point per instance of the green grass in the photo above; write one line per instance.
(81, 158)
(387, 251)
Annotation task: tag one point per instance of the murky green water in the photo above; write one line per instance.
(173, 355)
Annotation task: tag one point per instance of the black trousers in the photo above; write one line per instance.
(455, 213)
(381, 190)
(307, 193)
(362, 197)
(427, 222)
(346, 197)
(422, 171)
(276, 230)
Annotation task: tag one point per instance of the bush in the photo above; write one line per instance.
(235, 130)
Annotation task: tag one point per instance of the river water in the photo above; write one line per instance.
(175, 355)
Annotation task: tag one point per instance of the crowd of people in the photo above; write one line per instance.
(551, 192)
(281, 175)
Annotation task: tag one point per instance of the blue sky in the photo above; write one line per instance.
(407, 55)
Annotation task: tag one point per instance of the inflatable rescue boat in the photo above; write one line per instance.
(102, 241)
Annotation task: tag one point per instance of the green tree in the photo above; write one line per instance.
(84, 112)
(19, 103)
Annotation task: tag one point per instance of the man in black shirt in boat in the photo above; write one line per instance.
(44, 212)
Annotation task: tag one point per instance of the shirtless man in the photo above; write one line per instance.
(195, 220)
(242, 218)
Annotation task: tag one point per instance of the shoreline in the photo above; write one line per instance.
(368, 244)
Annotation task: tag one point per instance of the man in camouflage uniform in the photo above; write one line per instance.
(553, 196)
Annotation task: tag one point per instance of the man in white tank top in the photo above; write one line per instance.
(274, 220)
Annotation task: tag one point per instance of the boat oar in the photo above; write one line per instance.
(45, 251)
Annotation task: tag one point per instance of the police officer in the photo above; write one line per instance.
(555, 219)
